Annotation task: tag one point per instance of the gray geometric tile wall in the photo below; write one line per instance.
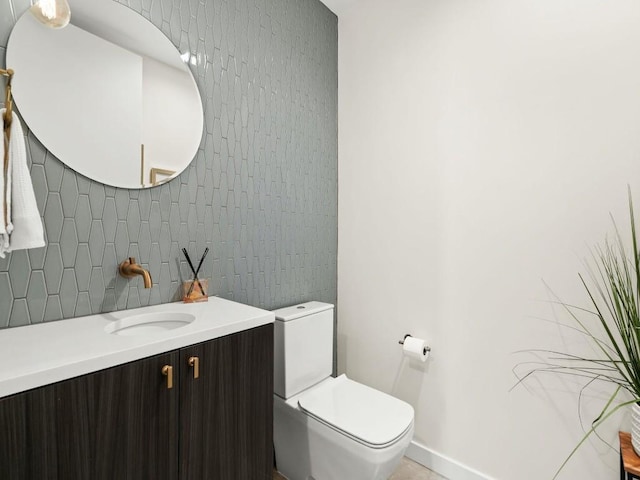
(261, 192)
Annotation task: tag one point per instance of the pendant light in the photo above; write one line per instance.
(52, 13)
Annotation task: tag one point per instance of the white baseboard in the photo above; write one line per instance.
(442, 464)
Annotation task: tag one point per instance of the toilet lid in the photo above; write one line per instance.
(368, 415)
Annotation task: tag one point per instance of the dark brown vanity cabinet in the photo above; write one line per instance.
(124, 423)
(232, 437)
(118, 423)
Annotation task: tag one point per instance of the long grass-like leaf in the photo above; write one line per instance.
(601, 419)
(612, 287)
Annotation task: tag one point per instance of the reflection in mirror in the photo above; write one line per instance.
(109, 95)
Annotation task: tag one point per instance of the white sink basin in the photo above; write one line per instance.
(149, 323)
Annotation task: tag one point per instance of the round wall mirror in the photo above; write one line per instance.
(109, 94)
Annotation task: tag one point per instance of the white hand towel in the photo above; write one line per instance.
(25, 230)
(5, 195)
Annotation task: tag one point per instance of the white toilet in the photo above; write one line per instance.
(329, 428)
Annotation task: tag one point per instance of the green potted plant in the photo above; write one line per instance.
(613, 290)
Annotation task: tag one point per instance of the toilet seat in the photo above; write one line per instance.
(364, 414)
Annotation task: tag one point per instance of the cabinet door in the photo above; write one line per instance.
(118, 423)
(28, 445)
(227, 413)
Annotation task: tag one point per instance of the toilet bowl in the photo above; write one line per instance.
(329, 428)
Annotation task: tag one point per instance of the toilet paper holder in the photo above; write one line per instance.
(401, 342)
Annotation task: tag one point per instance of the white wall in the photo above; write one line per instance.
(58, 94)
(170, 130)
(482, 145)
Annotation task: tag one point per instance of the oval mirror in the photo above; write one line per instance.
(109, 94)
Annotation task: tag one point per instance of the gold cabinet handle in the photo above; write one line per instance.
(167, 371)
(195, 363)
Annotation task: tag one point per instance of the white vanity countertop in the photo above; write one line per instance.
(46, 353)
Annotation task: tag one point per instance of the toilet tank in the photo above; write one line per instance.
(303, 347)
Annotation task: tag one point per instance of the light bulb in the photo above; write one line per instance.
(52, 13)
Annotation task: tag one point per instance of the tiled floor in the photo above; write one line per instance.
(408, 470)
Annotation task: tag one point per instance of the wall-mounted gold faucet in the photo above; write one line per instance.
(129, 268)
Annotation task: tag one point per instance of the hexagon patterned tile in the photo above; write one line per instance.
(261, 192)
